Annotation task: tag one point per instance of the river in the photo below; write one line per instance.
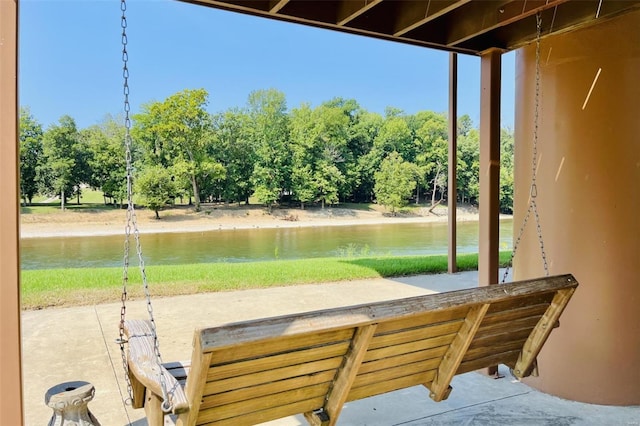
(246, 245)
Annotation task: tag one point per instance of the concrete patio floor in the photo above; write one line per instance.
(78, 343)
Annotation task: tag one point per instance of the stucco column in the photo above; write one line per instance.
(589, 201)
(10, 376)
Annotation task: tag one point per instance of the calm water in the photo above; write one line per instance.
(244, 245)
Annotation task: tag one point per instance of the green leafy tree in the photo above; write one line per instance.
(432, 157)
(303, 133)
(395, 182)
(506, 170)
(108, 161)
(178, 131)
(319, 145)
(468, 161)
(31, 154)
(233, 147)
(66, 159)
(366, 160)
(156, 187)
(395, 135)
(270, 133)
(357, 142)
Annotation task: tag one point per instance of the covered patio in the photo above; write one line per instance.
(589, 157)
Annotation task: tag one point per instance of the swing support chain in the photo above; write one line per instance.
(132, 226)
(533, 193)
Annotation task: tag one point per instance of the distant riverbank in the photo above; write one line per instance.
(90, 222)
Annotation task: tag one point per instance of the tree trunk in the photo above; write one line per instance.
(433, 206)
(435, 187)
(157, 214)
(78, 199)
(62, 197)
(417, 194)
(196, 193)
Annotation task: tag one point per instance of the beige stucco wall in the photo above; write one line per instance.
(589, 201)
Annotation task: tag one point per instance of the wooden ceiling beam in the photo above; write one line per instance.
(487, 16)
(348, 10)
(417, 13)
(462, 26)
(276, 5)
(562, 18)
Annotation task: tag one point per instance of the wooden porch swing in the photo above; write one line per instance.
(312, 363)
(255, 371)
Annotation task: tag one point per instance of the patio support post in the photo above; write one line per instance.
(11, 375)
(452, 190)
(489, 167)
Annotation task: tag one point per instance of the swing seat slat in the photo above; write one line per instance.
(255, 371)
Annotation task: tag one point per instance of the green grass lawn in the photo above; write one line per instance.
(63, 287)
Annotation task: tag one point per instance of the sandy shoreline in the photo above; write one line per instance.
(106, 222)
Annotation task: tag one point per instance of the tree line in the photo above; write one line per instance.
(335, 152)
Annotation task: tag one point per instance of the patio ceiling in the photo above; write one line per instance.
(465, 26)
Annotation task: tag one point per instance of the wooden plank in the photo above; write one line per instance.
(195, 382)
(275, 375)
(541, 332)
(251, 418)
(520, 302)
(143, 366)
(497, 339)
(138, 390)
(513, 314)
(280, 344)
(508, 358)
(416, 346)
(178, 369)
(276, 6)
(416, 14)
(498, 348)
(350, 10)
(391, 385)
(274, 400)
(245, 394)
(384, 363)
(508, 327)
(391, 372)
(276, 361)
(422, 318)
(347, 373)
(153, 409)
(451, 360)
(415, 334)
(312, 323)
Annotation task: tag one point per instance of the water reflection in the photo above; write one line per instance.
(245, 245)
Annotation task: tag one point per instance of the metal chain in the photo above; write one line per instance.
(132, 222)
(533, 206)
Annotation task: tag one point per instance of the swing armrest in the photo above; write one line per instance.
(144, 371)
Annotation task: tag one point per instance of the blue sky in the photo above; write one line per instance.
(70, 62)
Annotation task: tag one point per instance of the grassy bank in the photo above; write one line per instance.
(65, 287)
